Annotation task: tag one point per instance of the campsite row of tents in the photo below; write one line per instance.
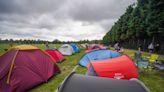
(108, 71)
(69, 49)
(64, 50)
(21, 61)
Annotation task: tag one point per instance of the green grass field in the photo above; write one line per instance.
(153, 79)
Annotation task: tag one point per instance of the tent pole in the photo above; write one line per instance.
(11, 67)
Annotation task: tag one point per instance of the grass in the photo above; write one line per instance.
(2, 47)
(153, 79)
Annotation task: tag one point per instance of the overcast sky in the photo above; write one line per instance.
(59, 19)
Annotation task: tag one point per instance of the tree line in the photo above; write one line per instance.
(140, 25)
(56, 41)
(142, 20)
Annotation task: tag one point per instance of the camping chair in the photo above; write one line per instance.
(140, 62)
(143, 64)
(153, 58)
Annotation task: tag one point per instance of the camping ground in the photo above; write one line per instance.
(153, 79)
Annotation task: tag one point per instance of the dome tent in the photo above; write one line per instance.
(55, 54)
(119, 68)
(75, 48)
(81, 83)
(66, 49)
(95, 47)
(97, 55)
(25, 66)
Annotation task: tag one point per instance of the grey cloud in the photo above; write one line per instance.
(59, 19)
(29, 6)
(7, 6)
(107, 24)
(95, 10)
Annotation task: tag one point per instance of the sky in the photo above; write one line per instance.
(65, 20)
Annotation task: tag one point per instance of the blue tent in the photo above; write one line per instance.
(97, 55)
(75, 48)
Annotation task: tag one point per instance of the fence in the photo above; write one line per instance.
(143, 43)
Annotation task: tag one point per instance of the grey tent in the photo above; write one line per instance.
(81, 83)
(66, 49)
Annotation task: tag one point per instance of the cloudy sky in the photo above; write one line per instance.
(59, 19)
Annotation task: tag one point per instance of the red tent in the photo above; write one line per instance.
(56, 55)
(25, 66)
(120, 68)
(95, 47)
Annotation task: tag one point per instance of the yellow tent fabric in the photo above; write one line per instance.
(25, 47)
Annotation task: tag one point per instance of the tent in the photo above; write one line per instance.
(119, 68)
(54, 53)
(81, 83)
(75, 48)
(95, 47)
(66, 49)
(84, 46)
(25, 66)
(97, 55)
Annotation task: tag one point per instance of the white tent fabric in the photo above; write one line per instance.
(66, 49)
(85, 45)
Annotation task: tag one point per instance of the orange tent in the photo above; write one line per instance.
(119, 68)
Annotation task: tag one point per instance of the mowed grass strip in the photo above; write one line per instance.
(3, 47)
